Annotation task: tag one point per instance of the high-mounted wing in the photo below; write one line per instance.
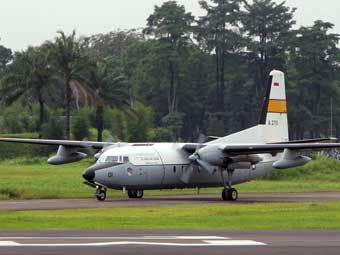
(274, 148)
(67, 151)
(67, 143)
(316, 140)
(244, 155)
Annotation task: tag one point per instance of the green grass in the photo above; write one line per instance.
(276, 216)
(34, 178)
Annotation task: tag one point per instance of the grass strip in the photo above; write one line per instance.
(263, 216)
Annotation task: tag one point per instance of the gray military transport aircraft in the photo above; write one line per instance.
(222, 162)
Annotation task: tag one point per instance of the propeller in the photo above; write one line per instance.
(195, 158)
(89, 149)
(109, 140)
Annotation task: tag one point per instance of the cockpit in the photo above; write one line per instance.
(114, 159)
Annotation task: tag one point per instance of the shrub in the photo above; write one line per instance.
(52, 129)
(81, 125)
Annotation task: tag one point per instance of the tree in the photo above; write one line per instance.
(170, 24)
(101, 46)
(218, 31)
(5, 57)
(269, 28)
(314, 69)
(69, 64)
(109, 89)
(27, 78)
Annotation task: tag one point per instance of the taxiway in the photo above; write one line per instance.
(149, 201)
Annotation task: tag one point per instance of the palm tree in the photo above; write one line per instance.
(27, 77)
(69, 63)
(109, 90)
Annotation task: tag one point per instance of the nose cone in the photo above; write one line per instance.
(89, 174)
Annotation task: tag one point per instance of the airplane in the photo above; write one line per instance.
(221, 162)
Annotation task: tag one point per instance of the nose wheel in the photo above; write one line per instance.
(100, 194)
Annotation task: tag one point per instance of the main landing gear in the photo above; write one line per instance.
(229, 193)
(100, 193)
(133, 193)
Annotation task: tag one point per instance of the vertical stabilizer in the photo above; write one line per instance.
(274, 112)
(273, 125)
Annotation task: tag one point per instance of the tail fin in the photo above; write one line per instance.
(273, 126)
(274, 110)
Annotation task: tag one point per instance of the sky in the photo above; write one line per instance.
(24, 23)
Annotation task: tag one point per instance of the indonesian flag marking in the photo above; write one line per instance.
(276, 84)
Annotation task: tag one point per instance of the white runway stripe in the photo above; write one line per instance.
(158, 237)
(203, 244)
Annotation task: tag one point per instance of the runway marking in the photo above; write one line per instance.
(204, 241)
(158, 237)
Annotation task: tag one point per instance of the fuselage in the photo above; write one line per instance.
(162, 166)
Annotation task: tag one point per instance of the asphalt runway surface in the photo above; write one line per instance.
(150, 242)
(244, 198)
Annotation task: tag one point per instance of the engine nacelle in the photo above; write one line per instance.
(213, 155)
(289, 163)
(66, 155)
(291, 159)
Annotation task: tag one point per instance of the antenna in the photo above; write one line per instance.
(331, 129)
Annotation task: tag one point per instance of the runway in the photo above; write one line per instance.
(169, 242)
(148, 201)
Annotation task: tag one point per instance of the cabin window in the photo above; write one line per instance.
(126, 159)
(111, 159)
(174, 169)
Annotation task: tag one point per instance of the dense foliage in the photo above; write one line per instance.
(179, 76)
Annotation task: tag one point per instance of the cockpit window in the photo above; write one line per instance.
(126, 159)
(111, 159)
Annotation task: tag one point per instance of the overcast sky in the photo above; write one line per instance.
(31, 22)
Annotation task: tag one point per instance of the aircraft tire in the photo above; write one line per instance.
(139, 193)
(135, 193)
(225, 194)
(101, 195)
(232, 194)
(229, 194)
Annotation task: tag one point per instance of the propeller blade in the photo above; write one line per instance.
(206, 166)
(202, 138)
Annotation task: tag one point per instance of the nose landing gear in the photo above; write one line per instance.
(100, 193)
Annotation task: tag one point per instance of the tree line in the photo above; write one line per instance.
(177, 77)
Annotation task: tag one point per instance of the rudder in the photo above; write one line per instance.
(274, 109)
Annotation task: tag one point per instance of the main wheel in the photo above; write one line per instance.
(101, 195)
(225, 194)
(229, 194)
(233, 194)
(135, 193)
(139, 193)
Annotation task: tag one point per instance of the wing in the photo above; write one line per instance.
(317, 140)
(66, 143)
(67, 151)
(274, 148)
